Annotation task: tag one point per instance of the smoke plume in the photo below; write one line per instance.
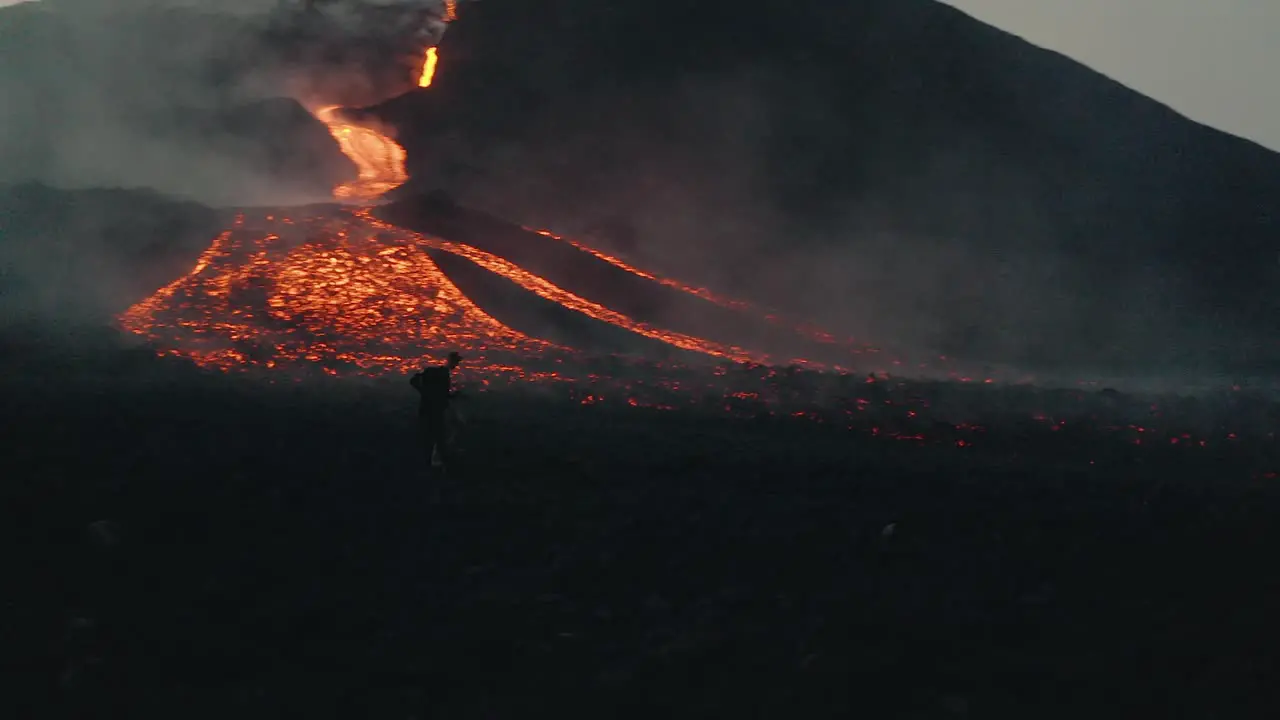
(202, 102)
(169, 94)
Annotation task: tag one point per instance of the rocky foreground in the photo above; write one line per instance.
(201, 545)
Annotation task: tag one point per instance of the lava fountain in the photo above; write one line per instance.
(429, 63)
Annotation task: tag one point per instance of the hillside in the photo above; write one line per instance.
(895, 168)
(76, 258)
(895, 171)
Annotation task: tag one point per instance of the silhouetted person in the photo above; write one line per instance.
(435, 389)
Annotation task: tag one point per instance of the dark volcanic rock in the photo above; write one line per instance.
(895, 167)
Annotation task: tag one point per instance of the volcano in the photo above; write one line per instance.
(893, 171)
(342, 288)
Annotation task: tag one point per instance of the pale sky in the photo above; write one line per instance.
(1214, 61)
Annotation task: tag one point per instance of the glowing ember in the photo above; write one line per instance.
(450, 10)
(429, 68)
(327, 289)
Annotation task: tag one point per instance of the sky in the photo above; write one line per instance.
(1211, 61)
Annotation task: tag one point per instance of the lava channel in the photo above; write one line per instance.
(347, 292)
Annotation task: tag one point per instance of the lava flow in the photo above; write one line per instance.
(378, 158)
(342, 290)
(339, 291)
(773, 316)
(327, 290)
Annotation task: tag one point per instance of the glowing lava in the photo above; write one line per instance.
(326, 289)
(344, 291)
(379, 159)
(547, 290)
(429, 67)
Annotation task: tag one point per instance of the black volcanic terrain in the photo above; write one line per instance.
(187, 544)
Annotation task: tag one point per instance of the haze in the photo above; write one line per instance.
(1212, 62)
(1209, 61)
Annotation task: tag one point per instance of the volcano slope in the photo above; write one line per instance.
(203, 544)
(891, 169)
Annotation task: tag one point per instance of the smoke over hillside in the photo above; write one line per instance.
(169, 94)
(894, 170)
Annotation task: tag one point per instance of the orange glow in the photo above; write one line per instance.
(805, 329)
(379, 159)
(328, 290)
(450, 10)
(549, 291)
(429, 67)
(676, 284)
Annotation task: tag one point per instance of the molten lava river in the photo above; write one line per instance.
(334, 287)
